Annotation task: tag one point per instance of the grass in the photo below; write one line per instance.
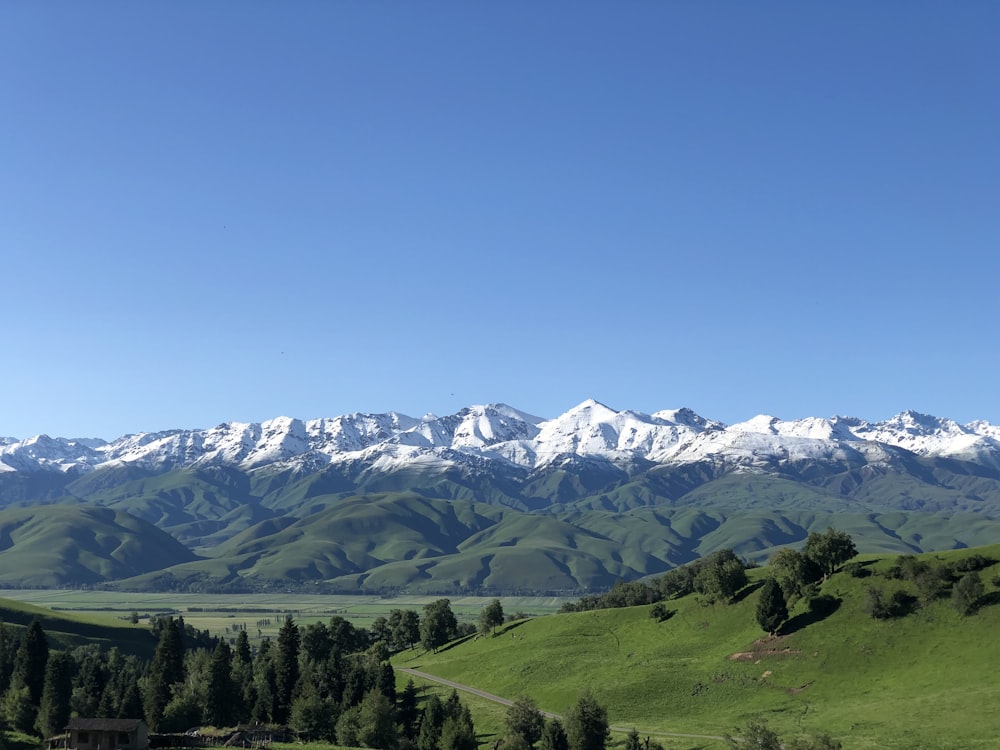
(66, 630)
(217, 613)
(927, 680)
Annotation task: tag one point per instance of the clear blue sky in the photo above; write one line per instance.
(215, 211)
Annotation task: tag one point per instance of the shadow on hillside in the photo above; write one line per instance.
(988, 600)
(509, 626)
(457, 642)
(744, 592)
(820, 608)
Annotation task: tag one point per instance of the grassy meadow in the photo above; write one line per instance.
(927, 680)
(262, 614)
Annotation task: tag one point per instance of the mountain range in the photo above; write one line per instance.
(488, 499)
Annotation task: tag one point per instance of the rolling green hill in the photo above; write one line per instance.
(924, 680)
(54, 545)
(411, 542)
(64, 630)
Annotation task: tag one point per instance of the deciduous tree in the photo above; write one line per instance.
(830, 550)
(965, 595)
(438, 624)
(491, 617)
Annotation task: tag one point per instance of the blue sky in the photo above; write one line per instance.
(220, 211)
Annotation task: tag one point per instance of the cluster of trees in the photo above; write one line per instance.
(756, 735)
(718, 577)
(329, 681)
(925, 581)
(526, 728)
(798, 574)
(39, 689)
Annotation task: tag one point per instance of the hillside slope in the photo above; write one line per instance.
(923, 680)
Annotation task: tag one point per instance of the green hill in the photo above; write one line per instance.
(57, 545)
(65, 630)
(924, 680)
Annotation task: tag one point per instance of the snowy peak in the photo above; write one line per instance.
(498, 432)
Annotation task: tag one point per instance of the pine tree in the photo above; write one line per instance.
(375, 722)
(587, 724)
(458, 732)
(265, 684)
(554, 736)
(524, 718)
(7, 652)
(286, 670)
(166, 669)
(406, 710)
(54, 712)
(29, 664)
(771, 607)
(430, 724)
(221, 692)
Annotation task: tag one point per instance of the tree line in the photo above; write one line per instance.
(326, 680)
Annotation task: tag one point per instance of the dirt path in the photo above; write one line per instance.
(549, 714)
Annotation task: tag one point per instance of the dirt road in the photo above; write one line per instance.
(507, 702)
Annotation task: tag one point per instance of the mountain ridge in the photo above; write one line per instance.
(369, 501)
(498, 433)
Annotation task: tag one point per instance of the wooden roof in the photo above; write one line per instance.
(107, 725)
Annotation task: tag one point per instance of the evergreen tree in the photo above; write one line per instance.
(243, 652)
(221, 692)
(587, 724)
(430, 724)
(632, 741)
(29, 664)
(243, 678)
(166, 669)
(524, 718)
(316, 642)
(17, 709)
(7, 651)
(553, 736)
(376, 726)
(771, 607)
(286, 667)
(312, 714)
(406, 710)
(91, 682)
(265, 684)
(54, 712)
(458, 732)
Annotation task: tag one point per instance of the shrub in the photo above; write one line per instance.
(965, 595)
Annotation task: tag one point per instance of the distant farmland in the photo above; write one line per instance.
(260, 614)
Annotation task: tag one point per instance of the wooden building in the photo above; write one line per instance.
(106, 734)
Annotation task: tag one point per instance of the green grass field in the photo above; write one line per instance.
(220, 614)
(927, 680)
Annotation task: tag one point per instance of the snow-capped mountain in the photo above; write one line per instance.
(592, 496)
(502, 435)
